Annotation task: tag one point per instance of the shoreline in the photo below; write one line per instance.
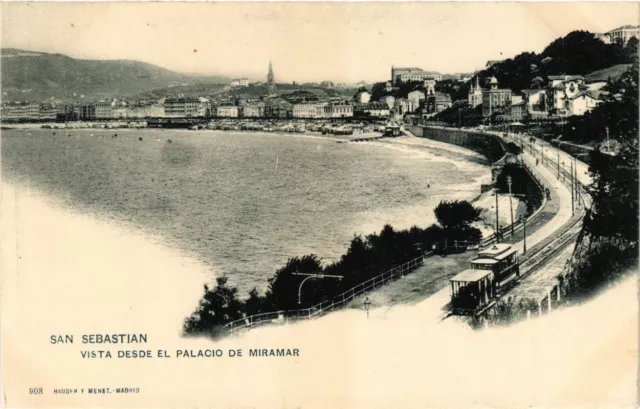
(466, 191)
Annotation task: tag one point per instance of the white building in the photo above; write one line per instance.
(475, 94)
(403, 106)
(309, 110)
(377, 109)
(412, 74)
(621, 34)
(416, 97)
(186, 107)
(254, 110)
(227, 111)
(561, 89)
(338, 110)
(582, 103)
(535, 101)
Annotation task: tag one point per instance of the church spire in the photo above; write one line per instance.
(271, 82)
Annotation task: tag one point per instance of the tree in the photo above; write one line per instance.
(614, 192)
(631, 50)
(283, 286)
(456, 214)
(217, 307)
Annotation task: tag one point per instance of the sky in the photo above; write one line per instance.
(341, 42)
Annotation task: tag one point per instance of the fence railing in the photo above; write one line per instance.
(339, 301)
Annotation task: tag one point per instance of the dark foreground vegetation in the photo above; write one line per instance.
(365, 258)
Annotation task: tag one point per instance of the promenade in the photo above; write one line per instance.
(543, 228)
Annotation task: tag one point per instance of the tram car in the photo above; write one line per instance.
(474, 288)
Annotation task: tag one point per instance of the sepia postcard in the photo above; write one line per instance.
(319, 205)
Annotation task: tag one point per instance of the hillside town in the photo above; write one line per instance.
(411, 94)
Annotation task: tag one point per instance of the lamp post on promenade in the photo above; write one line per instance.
(510, 203)
(367, 305)
(309, 276)
(524, 231)
(497, 222)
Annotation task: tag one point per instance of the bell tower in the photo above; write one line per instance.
(271, 82)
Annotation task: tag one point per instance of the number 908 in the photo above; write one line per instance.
(35, 391)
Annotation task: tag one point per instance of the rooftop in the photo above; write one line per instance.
(494, 250)
(470, 275)
(565, 77)
(484, 261)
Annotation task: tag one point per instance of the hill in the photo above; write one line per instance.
(28, 75)
(578, 53)
(614, 72)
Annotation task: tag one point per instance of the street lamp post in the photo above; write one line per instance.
(510, 204)
(524, 231)
(558, 162)
(367, 305)
(573, 190)
(497, 222)
(307, 277)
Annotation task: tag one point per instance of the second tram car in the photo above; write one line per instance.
(475, 288)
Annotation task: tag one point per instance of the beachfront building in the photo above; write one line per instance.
(338, 109)
(86, 112)
(180, 107)
(253, 110)
(278, 108)
(475, 93)
(495, 99)
(309, 110)
(47, 112)
(104, 109)
(20, 111)
(227, 111)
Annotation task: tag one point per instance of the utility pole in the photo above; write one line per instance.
(572, 190)
(524, 231)
(497, 223)
(558, 162)
(607, 129)
(576, 185)
(510, 203)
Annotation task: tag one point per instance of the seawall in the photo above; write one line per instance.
(490, 146)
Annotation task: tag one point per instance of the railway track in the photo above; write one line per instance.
(547, 252)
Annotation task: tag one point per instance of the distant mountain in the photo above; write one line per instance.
(29, 75)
